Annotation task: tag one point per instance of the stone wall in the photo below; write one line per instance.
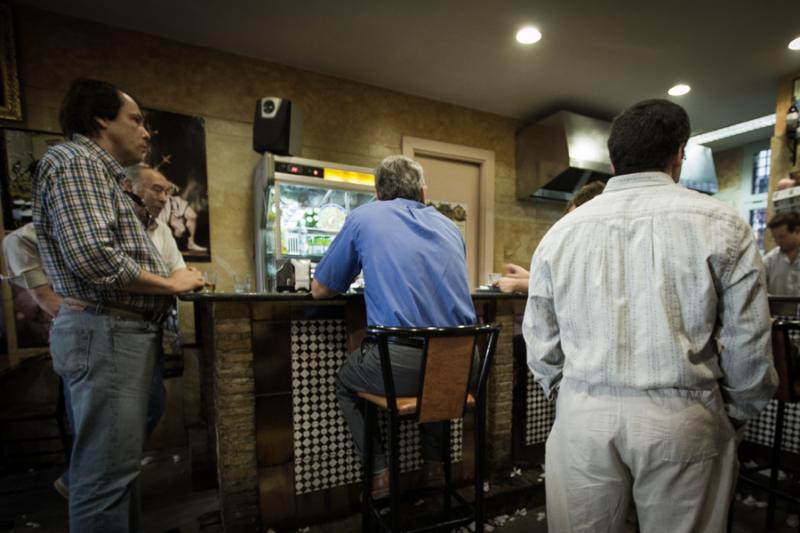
(234, 418)
(499, 398)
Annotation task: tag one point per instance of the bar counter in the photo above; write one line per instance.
(283, 454)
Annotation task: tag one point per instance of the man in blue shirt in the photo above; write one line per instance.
(415, 274)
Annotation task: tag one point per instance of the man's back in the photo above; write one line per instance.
(637, 277)
(413, 261)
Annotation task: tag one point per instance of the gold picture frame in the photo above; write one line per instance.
(10, 101)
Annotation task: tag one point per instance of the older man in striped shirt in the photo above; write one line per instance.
(116, 289)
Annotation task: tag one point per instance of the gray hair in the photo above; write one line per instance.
(398, 176)
(134, 172)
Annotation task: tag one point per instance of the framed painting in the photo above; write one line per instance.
(24, 328)
(178, 151)
(10, 101)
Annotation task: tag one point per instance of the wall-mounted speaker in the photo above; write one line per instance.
(278, 126)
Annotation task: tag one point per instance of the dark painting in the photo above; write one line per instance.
(178, 150)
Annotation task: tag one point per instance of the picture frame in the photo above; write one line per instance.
(178, 151)
(23, 327)
(10, 98)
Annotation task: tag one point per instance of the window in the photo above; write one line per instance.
(758, 221)
(760, 172)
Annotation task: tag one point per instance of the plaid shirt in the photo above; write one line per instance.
(91, 242)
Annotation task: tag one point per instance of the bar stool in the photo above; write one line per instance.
(445, 370)
(788, 392)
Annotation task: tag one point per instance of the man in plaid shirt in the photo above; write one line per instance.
(116, 289)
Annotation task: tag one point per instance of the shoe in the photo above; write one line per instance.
(380, 485)
(61, 487)
(433, 474)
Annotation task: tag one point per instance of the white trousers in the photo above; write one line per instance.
(671, 453)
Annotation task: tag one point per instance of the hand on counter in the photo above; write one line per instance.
(510, 270)
(515, 279)
(509, 285)
(186, 280)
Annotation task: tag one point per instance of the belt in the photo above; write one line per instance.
(405, 341)
(99, 308)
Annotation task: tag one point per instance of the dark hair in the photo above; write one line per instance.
(790, 219)
(86, 101)
(586, 193)
(646, 135)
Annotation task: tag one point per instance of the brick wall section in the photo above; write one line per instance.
(499, 398)
(234, 406)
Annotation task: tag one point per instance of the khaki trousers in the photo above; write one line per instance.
(671, 453)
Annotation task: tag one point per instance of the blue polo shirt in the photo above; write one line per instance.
(413, 258)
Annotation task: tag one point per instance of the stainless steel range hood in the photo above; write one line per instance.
(556, 156)
(698, 171)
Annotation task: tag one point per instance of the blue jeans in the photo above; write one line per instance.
(155, 406)
(106, 362)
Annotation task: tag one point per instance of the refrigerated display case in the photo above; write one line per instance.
(300, 205)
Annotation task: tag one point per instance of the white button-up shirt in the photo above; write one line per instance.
(652, 286)
(783, 276)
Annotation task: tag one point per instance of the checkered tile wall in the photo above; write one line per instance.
(323, 449)
(539, 414)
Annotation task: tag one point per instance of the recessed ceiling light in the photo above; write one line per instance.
(679, 90)
(795, 44)
(528, 35)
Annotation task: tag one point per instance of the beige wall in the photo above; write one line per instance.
(345, 122)
(728, 165)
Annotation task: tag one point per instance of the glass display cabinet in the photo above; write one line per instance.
(300, 206)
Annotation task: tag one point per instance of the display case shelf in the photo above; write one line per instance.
(314, 208)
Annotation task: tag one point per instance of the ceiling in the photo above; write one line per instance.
(595, 57)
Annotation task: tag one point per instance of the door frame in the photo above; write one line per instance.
(414, 146)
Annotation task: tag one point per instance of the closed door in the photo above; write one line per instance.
(457, 183)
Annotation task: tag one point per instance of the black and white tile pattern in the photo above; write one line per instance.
(539, 414)
(324, 455)
(762, 429)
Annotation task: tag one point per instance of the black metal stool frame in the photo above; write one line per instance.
(784, 326)
(380, 335)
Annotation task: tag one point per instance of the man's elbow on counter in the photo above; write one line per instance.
(320, 291)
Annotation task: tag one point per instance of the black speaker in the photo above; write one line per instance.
(278, 126)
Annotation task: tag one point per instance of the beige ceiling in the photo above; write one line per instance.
(596, 57)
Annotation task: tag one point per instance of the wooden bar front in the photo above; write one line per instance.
(283, 455)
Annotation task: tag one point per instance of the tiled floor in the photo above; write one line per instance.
(28, 503)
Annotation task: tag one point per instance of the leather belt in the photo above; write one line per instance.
(99, 308)
(405, 341)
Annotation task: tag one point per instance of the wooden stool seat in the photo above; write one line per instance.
(448, 387)
(406, 405)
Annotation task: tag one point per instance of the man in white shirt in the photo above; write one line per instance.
(647, 315)
(25, 268)
(782, 263)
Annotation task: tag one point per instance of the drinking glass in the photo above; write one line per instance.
(210, 279)
(241, 283)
